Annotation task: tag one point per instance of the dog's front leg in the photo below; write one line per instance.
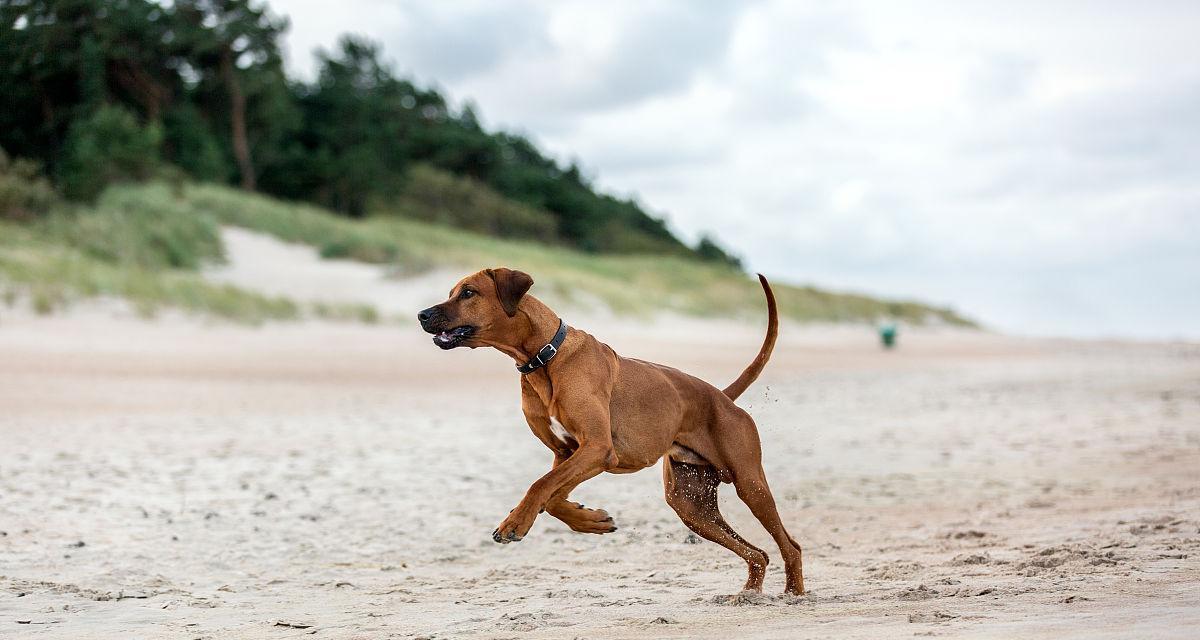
(594, 456)
(573, 514)
(586, 462)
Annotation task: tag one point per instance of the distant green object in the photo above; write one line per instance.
(887, 335)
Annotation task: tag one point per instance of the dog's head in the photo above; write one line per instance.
(479, 311)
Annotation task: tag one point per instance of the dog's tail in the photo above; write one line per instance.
(751, 373)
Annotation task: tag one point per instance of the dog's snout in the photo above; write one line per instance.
(432, 319)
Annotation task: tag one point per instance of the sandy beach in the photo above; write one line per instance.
(185, 479)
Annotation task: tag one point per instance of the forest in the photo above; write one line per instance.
(99, 92)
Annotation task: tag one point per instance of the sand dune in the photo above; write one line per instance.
(265, 264)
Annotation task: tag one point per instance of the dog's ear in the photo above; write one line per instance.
(510, 286)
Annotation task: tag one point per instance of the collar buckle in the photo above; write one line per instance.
(543, 359)
(546, 353)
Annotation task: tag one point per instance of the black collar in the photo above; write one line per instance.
(546, 353)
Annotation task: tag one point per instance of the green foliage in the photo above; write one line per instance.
(110, 252)
(211, 73)
(708, 249)
(361, 248)
(150, 234)
(193, 146)
(437, 196)
(64, 59)
(334, 237)
(24, 193)
(632, 284)
(354, 127)
(107, 147)
(229, 63)
(52, 273)
(646, 284)
(363, 313)
(52, 263)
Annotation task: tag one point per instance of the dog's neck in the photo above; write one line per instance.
(536, 326)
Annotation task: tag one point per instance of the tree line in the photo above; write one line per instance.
(99, 91)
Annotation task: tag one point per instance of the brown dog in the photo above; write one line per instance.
(598, 411)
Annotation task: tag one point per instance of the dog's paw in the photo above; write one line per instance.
(511, 530)
(505, 538)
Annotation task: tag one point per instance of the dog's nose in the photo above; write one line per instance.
(426, 315)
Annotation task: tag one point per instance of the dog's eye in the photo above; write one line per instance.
(466, 293)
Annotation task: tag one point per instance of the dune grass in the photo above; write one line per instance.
(641, 285)
(146, 255)
(53, 275)
(144, 242)
(637, 285)
(436, 196)
(333, 236)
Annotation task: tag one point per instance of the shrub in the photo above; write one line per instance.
(128, 229)
(708, 249)
(334, 237)
(362, 248)
(24, 193)
(436, 196)
(106, 147)
(192, 145)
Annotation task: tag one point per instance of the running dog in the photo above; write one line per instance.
(602, 412)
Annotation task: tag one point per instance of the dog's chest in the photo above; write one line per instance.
(560, 432)
(557, 430)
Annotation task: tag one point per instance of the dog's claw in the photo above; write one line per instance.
(505, 538)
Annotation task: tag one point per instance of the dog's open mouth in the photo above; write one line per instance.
(453, 337)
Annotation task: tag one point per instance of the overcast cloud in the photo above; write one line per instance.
(1035, 165)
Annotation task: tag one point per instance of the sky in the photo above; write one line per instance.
(1034, 165)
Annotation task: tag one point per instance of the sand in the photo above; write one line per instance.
(190, 479)
(184, 479)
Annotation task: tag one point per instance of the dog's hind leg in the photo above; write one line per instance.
(751, 483)
(753, 490)
(691, 491)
